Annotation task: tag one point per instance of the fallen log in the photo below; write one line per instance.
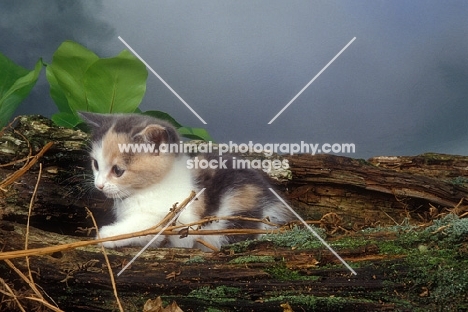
(342, 194)
(386, 190)
(366, 192)
(258, 279)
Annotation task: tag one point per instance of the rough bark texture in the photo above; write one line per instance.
(381, 190)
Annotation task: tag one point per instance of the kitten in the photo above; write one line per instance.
(145, 186)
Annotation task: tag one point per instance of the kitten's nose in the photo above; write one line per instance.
(99, 186)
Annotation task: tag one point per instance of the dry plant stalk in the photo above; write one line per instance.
(11, 293)
(31, 204)
(168, 231)
(171, 230)
(207, 245)
(9, 125)
(30, 161)
(29, 280)
(109, 267)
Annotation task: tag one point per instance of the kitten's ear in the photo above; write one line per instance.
(92, 119)
(152, 134)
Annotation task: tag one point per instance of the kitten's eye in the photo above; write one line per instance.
(117, 171)
(95, 164)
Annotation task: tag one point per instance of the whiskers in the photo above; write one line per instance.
(119, 194)
(115, 192)
(76, 187)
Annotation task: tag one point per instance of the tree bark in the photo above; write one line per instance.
(381, 190)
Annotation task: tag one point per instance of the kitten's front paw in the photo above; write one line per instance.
(111, 245)
(113, 230)
(109, 231)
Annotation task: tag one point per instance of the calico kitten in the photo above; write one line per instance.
(145, 186)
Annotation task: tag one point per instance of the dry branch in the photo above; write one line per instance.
(109, 267)
(172, 230)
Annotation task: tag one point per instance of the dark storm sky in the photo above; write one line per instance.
(401, 88)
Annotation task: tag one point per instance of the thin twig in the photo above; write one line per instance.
(10, 125)
(64, 247)
(174, 214)
(109, 267)
(50, 306)
(17, 174)
(171, 230)
(17, 161)
(23, 277)
(30, 280)
(455, 209)
(174, 211)
(12, 294)
(396, 223)
(212, 219)
(32, 286)
(31, 204)
(207, 245)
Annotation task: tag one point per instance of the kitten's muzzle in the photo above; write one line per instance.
(109, 193)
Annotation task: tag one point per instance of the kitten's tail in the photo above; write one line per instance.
(278, 213)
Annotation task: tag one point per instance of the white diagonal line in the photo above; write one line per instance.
(159, 233)
(315, 233)
(310, 82)
(162, 80)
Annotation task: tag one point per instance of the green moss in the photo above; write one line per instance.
(448, 230)
(219, 294)
(282, 273)
(252, 259)
(404, 226)
(433, 258)
(196, 259)
(313, 303)
(238, 247)
(349, 242)
(364, 162)
(459, 181)
(435, 157)
(390, 248)
(443, 273)
(437, 258)
(299, 238)
(307, 300)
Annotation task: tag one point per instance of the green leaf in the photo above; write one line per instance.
(66, 76)
(16, 83)
(64, 119)
(195, 133)
(81, 81)
(187, 132)
(56, 92)
(115, 85)
(10, 73)
(163, 116)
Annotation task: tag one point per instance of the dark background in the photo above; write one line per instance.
(401, 88)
